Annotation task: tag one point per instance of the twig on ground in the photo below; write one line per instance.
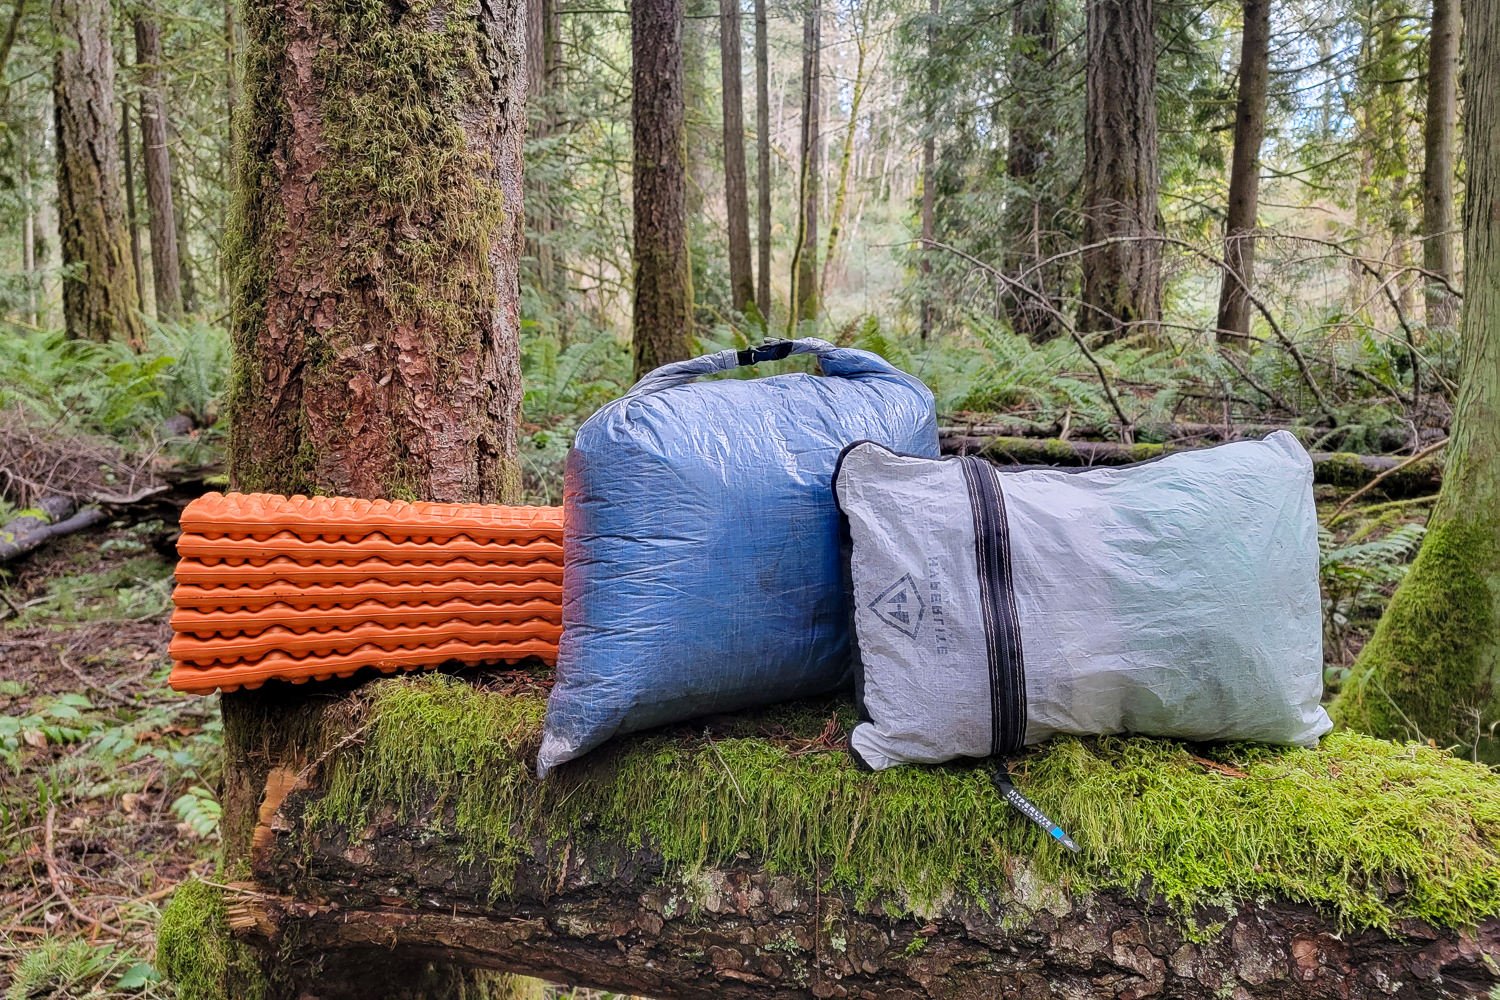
(55, 878)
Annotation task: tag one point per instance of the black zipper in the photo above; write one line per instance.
(997, 596)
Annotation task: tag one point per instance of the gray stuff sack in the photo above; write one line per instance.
(992, 609)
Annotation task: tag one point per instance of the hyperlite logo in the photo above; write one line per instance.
(900, 606)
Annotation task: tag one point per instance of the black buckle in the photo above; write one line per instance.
(771, 350)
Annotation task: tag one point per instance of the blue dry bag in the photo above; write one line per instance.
(701, 539)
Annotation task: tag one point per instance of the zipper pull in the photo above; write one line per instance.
(1001, 777)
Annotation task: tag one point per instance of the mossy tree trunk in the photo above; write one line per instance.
(1432, 669)
(1034, 209)
(662, 320)
(1122, 265)
(100, 292)
(374, 248)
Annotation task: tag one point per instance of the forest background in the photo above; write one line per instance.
(1075, 219)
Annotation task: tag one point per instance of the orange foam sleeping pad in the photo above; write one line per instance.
(309, 588)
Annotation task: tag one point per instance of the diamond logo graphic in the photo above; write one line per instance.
(900, 606)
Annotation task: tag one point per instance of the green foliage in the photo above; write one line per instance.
(1331, 826)
(64, 969)
(1357, 575)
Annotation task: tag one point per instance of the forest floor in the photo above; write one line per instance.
(108, 778)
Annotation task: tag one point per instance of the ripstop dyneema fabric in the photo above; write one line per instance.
(702, 541)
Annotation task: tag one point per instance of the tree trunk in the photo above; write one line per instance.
(929, 189)
(1439, 168)
(166, 271)
(804, 306)
(132, 223)
(762, 164)
(663, 316)
(1432, 669)
(846, 154)
(1244, 176)
(374, 245)
(100, 293)
(736, 195)
(1122, 265)
(544, 60)
(186, 280)
(1034, 306)
(375, 331)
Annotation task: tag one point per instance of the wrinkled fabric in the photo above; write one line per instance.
(1178, 597)
(702, 543)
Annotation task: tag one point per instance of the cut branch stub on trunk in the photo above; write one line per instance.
(752, 858)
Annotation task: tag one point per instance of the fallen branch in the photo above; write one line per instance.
(1397, 476)
(55, 518)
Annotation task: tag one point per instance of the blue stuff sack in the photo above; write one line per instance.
(701, 539)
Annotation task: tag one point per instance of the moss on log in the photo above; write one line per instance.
(1345, 470)
(754, 859)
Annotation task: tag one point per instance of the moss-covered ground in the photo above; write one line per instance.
(1369, 831)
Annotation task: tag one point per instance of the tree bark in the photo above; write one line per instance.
(804, 306)
(1122, 267)
(762, 164)
(544, 61)
(759, 935)
(1430, 670)
(100, 294)
(663, 315)
(1439, 167)
(376, 330)
(166, 270)
(736, 194)
(132, 222)
(1244, 176)
(929, 189)
(1033, 208)
(861, 29)
(185, 281)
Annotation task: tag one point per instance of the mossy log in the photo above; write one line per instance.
(399, 825)
(53, 517)
(1401, 477)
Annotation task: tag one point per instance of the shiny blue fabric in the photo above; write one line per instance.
(701, 541)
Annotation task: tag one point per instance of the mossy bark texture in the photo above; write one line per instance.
(374, 248)
(100, 296)
(1122, 271)
(662, 321)
(1432, 669)
(756, 860)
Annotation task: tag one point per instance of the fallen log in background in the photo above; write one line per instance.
(1383, 439)
(1342, 469)
(377, 833)
(53, 517)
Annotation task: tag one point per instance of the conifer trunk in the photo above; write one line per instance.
(663, 316)
(376, 333)
(1122, 268)
(1432, 669)
(1244, 175)
(736, 194)
(132, 223)
(166, 271)
(1032, 208)
(929, 192)
(762, 164)
(846, 153)
(805, 257)
(1438, 169)
(100, 293)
